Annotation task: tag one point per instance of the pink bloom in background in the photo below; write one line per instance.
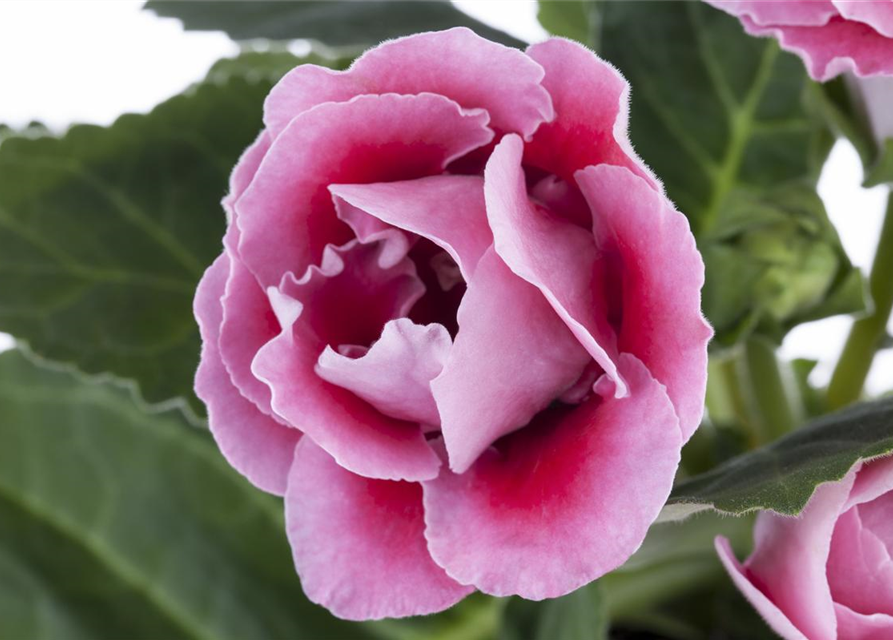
(826, 574)
(832, 36)
(456, 323)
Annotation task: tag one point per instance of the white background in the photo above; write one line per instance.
(66, 61)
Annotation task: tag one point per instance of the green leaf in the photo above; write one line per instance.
(577, 616)
(118, 524)
(783, 475)
(269, 65)
(105, 232)
(774, 260)
(568, 19)
(713, 110)
(334, 22)
(881, 171)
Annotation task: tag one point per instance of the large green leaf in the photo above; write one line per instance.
(713, 110)
(334, 22)
(105, 232)
(118, 524)
(783, 475)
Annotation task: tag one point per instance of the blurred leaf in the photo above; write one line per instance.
(269, 65)
(774, 260)
(568, 19)
(713, 110)
(577, 616)
(671, 585)
(881, 171)
(117, 524)
(334, 22)
(105, 232)
(783, 475)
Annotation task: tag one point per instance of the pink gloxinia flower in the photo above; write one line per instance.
(456, 323)
(832, 36)
(826, 574)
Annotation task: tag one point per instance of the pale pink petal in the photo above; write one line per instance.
(857, 626)
(554, 255)
(286, 215)
(455, 63)
(877, 517)
(834, 48)
(359, 544)
(873, 479)
(562, 198)
(448, 210)
(511, 358)
(395, 244)
(346, 301)
(552, 507)
(255, 444)
(790, 555)
(769, 611)
(591, 101)
(660, 274)
(244, 171)
(860, 572)
(876, 14)
(248, 324)
(789, 12)
(395, 375)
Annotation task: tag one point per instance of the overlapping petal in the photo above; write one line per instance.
(346, 301)
(554, 255)
(448, 210)
(395, 374)
(511, 358)
(359, 544)
(255, 444)
(286, 215)
(654, 262)
(833, 48)
(456, 63)
(591, 100)
(551, 507)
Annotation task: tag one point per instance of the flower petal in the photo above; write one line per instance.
(877, 15)
(833, 48)
(346, 301)
(287, 216)
(860, 572)
(359, 544)
(857, 626)
(511, 358)
(790, 12)
(769, 611)
(873, 479)
(661, 275)
(591, 101)
(255, 444)
(448, 210)
(395, 375)
(790, 557)
(561, 502)
(248, 324)
(554, 255)
(456, 63)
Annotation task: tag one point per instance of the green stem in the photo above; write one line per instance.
(772, 395)
(866, 334)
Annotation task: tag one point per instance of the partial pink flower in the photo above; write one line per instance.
(456, 323)
(831, 36)
(826, 574)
